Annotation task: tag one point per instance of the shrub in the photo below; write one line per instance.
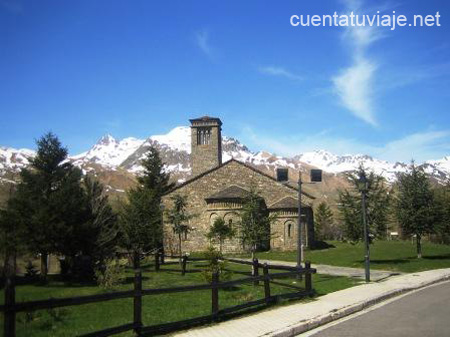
(111, 274)
(31, 273)
(215, 265)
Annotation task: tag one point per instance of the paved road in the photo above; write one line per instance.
(422, 313)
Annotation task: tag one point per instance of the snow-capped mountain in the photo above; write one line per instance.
(14, 159)
(124, 156)
(338, 164)
(108, 152)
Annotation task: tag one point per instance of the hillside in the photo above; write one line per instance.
(117, 162)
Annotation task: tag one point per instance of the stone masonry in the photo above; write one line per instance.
(217, 190)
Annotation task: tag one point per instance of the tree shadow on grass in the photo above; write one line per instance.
(320, 245)
(388, 261)
(437, 257)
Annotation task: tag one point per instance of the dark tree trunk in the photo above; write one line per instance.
(419, 246)
(44, 266)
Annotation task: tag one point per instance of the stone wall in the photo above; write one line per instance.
(204, 185)
(206, 156)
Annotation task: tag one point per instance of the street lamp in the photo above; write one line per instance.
(316, 177)
(363, 188)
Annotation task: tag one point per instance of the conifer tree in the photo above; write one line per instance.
(49, 201)
(101, 230)
(415, 207)
(378, 203)
(324, 222)
(141, 215)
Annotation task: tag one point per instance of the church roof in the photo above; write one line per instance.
(232, 192)
(232, 160)
(206, 119)
(285, 203)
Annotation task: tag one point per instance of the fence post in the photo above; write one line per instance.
(10, 314)
(266, 283)
(137, 301)
(157, 260)
(215, 294)
(255, 271)
(183, 265)
(308, 277)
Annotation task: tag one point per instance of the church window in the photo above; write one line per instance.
(289, 230)
(204, 136)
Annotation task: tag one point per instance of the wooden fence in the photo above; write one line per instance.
(11, 307)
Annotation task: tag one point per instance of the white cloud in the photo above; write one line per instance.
(354, 87)
(279, 71)
(420, 146)
(354, 84)
(202, 41)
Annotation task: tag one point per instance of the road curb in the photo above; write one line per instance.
(304, 326)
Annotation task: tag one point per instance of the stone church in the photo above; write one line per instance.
(218, 189)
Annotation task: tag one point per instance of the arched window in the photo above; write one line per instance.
(204, 136)
(289, 230)
(230, 223)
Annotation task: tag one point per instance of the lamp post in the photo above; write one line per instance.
(362, 182)
(316, 177)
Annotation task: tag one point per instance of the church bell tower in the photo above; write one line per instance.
(206, 144)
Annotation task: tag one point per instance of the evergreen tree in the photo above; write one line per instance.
(154, 177)
(11, 238)
(442, 211)
(219, 232)
(101, 230)
(254, 223)
(141, 216)
(179, 217)
(378, 200)
(415, 207)
(49, 201)
(324, 222)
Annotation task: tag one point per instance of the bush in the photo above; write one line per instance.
(31, 273)
(111, 274)
(215, 265)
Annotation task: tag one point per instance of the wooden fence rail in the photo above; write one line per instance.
(10, 308)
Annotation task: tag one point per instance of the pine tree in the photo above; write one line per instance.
(378, 200)
(254, 223)
(442, 211)
(141, 215)
(415, 207)
(154, 177)
(101, 231)
(49, 201)
(324, 222)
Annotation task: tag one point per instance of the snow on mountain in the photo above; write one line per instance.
(338, 164)
(178, 138)
(14, 159)
(175, 148)
(108, 151)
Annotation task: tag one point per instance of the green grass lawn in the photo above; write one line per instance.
(70, 321)
(388, 255)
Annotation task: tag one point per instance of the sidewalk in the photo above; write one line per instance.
(294, 319)
(375, 275)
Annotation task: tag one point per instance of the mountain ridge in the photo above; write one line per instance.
(118, 161)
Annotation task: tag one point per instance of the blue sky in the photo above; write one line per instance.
(138, 68)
